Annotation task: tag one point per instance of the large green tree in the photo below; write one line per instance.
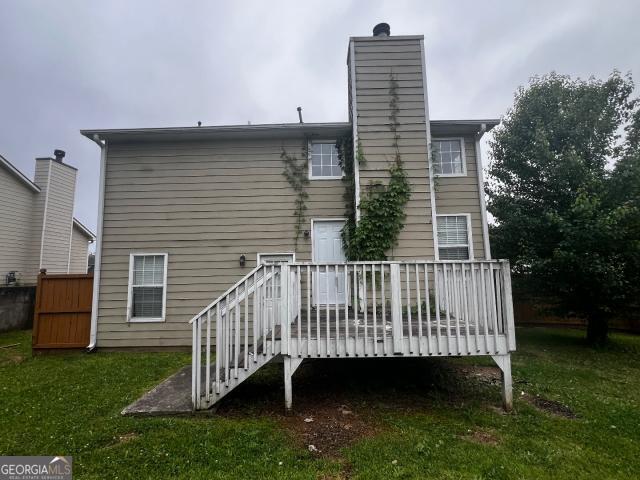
(564, 189)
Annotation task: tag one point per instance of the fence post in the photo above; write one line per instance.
(396, 307)
(36, 309)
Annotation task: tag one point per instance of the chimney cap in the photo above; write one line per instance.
(59, 154)
(382, 30)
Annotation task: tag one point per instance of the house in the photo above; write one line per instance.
(37, 227)
(228, 239)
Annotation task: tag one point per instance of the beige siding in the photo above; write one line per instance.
(375, 61)
(461, 195)
(204, 204)
(79, 252)
(16, 245)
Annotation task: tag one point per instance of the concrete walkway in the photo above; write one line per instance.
(171, 397)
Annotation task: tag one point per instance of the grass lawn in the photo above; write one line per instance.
(439, 421)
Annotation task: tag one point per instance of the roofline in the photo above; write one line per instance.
(259, 128)
(18, 174)
(489, 122)
(275, 127)
(83, 229)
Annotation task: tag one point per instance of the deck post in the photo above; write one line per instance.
(290, 366)
(504, 362)
(396, 308)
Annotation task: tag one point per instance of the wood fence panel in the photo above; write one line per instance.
(62, 316)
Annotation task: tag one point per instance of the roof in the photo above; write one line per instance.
(84, 230)
(221, 132)
(18, 174)
(462, 127)
(450, 127)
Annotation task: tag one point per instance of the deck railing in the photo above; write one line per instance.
(419, 308)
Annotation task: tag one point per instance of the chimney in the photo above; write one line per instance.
(387, 72)
(382, 30)
(59, 155)
(53, 212)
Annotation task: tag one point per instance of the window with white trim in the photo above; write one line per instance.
(324, 161)
(147, 287)
(448, 157)
(453, 237)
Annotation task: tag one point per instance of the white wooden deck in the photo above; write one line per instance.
(348, 310)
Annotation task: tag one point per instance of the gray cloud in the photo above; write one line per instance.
(76, 64)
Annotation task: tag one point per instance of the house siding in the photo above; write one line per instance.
(462, 194)
(79, 252)
(17, 249)
(204, 204)
(376, 59)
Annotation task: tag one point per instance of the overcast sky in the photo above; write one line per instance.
(68, 65)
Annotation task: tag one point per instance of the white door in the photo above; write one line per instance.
(327, 248)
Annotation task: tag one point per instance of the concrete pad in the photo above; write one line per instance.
(171, 397)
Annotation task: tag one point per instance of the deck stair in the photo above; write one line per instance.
(347, 310)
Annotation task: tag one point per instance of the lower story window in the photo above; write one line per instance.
(453, 237)
(147, 287)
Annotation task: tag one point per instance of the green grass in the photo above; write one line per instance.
(70, 404)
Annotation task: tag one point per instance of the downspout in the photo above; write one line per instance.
(98, 258)
(483, 206)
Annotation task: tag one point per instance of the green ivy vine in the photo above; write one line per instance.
(296, 171)
(382, 212)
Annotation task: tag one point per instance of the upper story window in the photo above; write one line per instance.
(324, 161)
(147, 287)
(448, 157)
(454, 237)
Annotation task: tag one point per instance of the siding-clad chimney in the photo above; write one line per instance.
(372, 62)
(53, 213)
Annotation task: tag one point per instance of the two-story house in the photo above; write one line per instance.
(194, 214)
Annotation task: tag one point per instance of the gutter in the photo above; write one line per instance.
(93, 337)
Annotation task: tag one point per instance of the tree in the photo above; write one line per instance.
(568, 220)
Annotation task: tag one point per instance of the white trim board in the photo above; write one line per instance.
(313, 220)
(469, 232)
(310, 158)
(483, 205)
(463, 156)
(354, 123)
(162, 318)
(432, 186)
(266, 254)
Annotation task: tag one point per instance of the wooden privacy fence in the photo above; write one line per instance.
(62, 315)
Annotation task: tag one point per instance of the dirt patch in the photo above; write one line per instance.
(12, 358)
(483, 374)
(483, 437)
(120, 439)
(549, 406)
(326, 429)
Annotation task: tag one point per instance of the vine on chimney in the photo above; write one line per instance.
(382, 212)
(296, 172)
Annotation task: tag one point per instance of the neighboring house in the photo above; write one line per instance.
(37, 228)
(189, 213)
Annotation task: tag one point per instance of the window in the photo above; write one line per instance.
(147, 287)
(324, 161)
(453, 237)
(448, 158)
(276, 258)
